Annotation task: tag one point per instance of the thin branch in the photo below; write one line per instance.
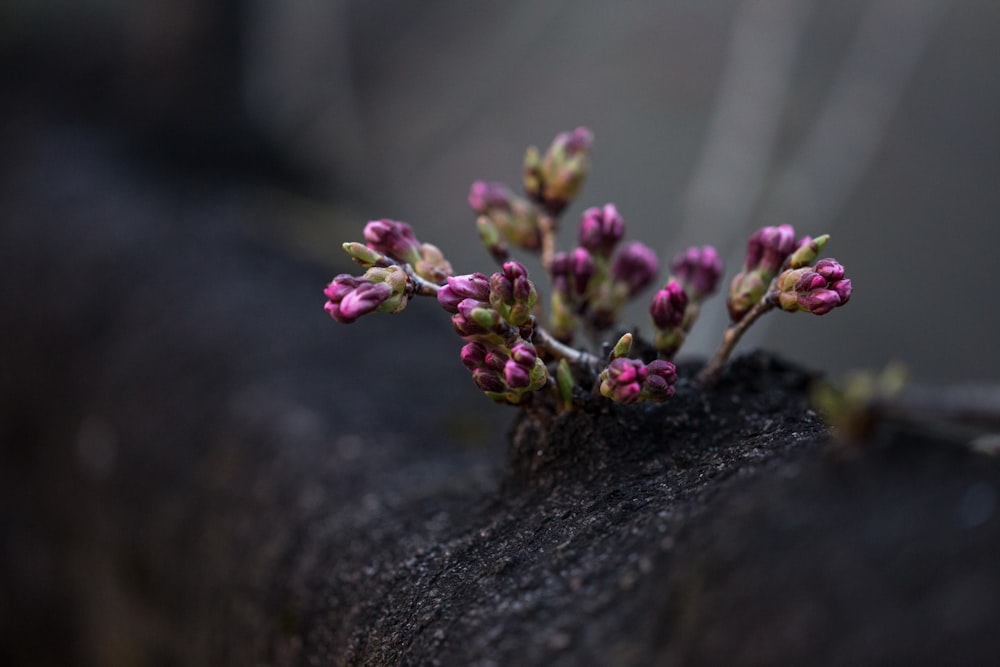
(710, 374)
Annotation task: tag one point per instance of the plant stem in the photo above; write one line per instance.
(421, 287)
(547, 228)
(544, 340)
(710, 374)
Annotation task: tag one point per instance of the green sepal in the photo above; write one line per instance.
(364, 255)
(622, 347)
(808, 253)
(565, 382)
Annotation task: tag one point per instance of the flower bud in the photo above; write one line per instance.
(745, 291)
(524, 353)
(473, 355)
(554, 179)
(582, 269)
(601, 229)
(432, 265)
(496, 359)
(830, 269)
(363, 299)
(484, 196)
(458, 288)
(668, 306)
(517, 376)
(623, 347)
(395, 239)
(512, 294)
(513, 217)
(622, 379)
(817, 289)
(768, 248)
(660, 378)
(488, 380)
(808, 251)
(363, 255)
(491, 238)
(635, 265)
(699, 269)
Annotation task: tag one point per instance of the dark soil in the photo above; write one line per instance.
(199, 468)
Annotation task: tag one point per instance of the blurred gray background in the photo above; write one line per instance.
(874, 120)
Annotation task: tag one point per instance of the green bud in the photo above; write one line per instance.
(808, 252)
(622, 347)
(565, 382)
(364, 255)
(539, 376)
(432, 265)
(492, 238)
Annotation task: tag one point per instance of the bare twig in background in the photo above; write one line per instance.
(742, 132)
(817, 181)
(736, 154)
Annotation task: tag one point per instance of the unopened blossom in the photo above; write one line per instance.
(769, 247)
(767, 251)
(668, 306)
(601, 228)
(512, 294)
(807, 252)
(395, 239)
(818, 289)
(627, 380)
(699, 269)
(458, 288)
(508, 216)
(555, 178)
(635, 265)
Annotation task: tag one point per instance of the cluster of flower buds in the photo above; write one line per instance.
(380, 289)
(504, 217)
(552, 180)
(803, 284)
(509, 355)
(491, 314)
(817, 289)
(767, 251)
(592, 281)
(675, 308)
(626, 380)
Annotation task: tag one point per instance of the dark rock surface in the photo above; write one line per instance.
(199, 468)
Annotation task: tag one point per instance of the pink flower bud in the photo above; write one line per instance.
(488, 380)
(843, 289)
(830, 269)
(819, 301)
(363, 299)
(458, 288)
(484, 196)
(473, 355)
(668, 306)
(601, 229)
(395, 239)
(818, 289)
(581, 270)
(524, 354)
(516, 376)
(699, 269)
(635, 265)
(768, 248)
(660, 379)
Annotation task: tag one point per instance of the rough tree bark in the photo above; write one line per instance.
(192, 474)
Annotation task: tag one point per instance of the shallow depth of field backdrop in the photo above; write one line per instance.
(875, 120)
